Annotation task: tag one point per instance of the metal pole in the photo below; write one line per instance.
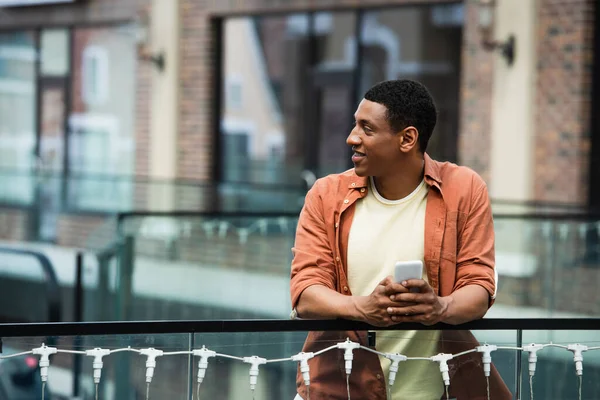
(77, 317)
(519, 364)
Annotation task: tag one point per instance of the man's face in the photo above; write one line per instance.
(376, 147)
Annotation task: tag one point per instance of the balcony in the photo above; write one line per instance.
(236, 359)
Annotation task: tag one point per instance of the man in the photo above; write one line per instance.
(397, 204)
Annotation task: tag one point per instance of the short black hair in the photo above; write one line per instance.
(408, 103)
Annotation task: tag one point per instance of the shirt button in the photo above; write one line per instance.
(336, 224)
(337, 259)
(346, 201)
(362, 190)
(345, 288)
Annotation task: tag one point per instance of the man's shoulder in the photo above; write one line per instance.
(458, 177)
(337, 182)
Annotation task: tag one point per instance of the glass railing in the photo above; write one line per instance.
(190, 265)
(112, 194)
(29, 287)
(259, 359)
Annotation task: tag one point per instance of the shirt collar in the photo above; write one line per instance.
(432, 174)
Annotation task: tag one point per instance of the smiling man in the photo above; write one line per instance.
(396, 204)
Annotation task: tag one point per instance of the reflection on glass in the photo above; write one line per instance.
(262, 121)
(421, 43)
(123, 373)
(332, 82)
(211, 268)
(547, 268)
(555, 374)
(101, 122)
(17, 99)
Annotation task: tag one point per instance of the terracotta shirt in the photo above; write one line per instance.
(459, 251)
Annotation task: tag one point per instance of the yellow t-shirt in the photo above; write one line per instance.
(383, 232)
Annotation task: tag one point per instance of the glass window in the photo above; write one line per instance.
(262, 121)
(290, 84)
(421, 43)
(54, 52)
(101, 121)
(332, 90)
(17, 99)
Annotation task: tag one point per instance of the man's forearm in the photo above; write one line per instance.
(466, 304)
(320, 302)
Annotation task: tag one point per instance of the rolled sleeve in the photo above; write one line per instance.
(475, 263)
(312, 262)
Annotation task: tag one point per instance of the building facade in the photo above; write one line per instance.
(142, 104)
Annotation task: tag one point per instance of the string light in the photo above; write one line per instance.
(349, 347)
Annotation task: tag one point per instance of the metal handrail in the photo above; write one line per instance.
(275, 325)
(53, 288)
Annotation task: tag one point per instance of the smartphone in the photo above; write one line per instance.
(405, 270)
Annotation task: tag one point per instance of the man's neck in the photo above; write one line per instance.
(402, 183)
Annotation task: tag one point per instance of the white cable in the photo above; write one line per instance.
(254, 362)
(230, 357)
(577, 350)
(176, 353)
(125, 349)
(486, 356)
(70, 351)
(44, 352)
(278, 360)
(532, 349)
(16, 355)
(318, 353)
(465, 352)
(303, 358)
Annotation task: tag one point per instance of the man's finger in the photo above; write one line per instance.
(395, 288)
(404, 311)
(406, 298)
(415, 283)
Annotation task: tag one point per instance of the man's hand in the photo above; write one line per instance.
(373, 309)
(425, 306)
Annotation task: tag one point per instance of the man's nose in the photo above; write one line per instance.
(353, 139)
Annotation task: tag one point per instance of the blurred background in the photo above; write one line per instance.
(155, 154)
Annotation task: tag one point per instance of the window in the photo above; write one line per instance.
(17, 99)
(95, 75)
(234, 96)
(54, 52)
(302, 80)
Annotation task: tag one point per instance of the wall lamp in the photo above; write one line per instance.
(142, 38)
(486, 15)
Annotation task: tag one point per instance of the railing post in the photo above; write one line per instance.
(124, 285)
(77, 317)
(123, 387)
(519, 368)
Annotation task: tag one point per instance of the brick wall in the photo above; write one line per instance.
(13, 224)
(84, 231)
(474, 138)
(562, 137)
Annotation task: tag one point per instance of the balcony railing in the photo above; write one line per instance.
(258, 358)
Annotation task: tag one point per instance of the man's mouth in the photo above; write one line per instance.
(358, 156)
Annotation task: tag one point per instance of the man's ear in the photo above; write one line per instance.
(408, 139)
